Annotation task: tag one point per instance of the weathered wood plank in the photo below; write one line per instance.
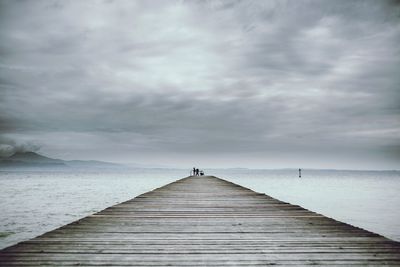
(204, 221)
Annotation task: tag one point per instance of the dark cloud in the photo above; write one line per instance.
(225, 83)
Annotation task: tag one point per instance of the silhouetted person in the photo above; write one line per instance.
(197, 172)
(299, 173)
(194, 171)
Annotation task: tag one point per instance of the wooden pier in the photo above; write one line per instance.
(204, 221)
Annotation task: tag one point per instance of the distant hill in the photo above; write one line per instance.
(91, 163)
(30, 157)
(35, 160)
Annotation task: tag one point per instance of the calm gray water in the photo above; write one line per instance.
(33, 203)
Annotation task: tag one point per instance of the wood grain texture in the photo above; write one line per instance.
(204, 221)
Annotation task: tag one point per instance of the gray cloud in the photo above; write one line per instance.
(9, 146)
(224, 83)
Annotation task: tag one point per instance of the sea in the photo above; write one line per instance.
(35, 202)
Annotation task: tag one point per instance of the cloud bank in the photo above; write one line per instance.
(223, 83)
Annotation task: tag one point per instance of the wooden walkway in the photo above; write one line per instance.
(204, 221)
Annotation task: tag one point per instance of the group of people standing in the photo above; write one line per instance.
(197, 172)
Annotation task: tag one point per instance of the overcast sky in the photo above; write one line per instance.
(265, 84)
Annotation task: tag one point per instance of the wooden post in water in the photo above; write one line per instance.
(204, 221)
